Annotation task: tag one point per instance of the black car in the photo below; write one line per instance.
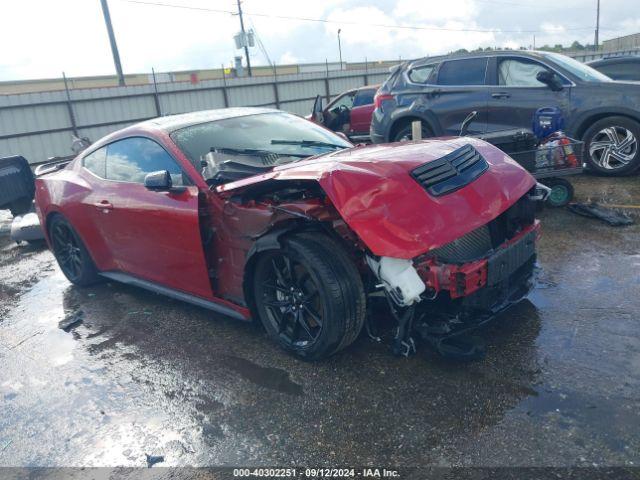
(505, 88)
(619, 68)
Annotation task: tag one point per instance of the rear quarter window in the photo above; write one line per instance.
(422, 74)
(96, 162)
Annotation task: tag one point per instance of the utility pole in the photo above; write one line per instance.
(112, 40)
(597, 25)
(340, 48)
(244, 38)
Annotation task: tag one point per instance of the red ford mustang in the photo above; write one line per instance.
(226, 210)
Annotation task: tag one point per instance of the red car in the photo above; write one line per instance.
(349, 113)
(225, 210)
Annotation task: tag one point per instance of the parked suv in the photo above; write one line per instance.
(506, 88)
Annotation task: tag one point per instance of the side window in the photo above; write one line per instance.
(470, 71)
(131, 159)
(519, 72)
(96, 162)
(364, 97)
(422, 74)
(345, 100)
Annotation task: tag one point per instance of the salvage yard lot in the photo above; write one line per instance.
(109, 374)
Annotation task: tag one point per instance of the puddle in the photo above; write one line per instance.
(609, 419)
(268, 377)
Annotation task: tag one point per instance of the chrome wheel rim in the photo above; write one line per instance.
(613, 147)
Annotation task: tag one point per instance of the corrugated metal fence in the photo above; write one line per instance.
(41, 125)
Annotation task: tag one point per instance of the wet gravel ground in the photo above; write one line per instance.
(107, 375)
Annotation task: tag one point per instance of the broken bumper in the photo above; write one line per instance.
(477, 291)
(463, 280)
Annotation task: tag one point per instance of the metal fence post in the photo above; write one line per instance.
(72, 117)
(156, 98)
(326, 81)
(275, 86)
(366, 72)
(224, 88)
(416, 130)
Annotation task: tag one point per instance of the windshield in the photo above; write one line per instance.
(580, 70)
(278, 135)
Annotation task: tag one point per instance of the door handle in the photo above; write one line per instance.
(501, 95)
(104, 205)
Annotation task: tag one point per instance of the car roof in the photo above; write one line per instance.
(460, 56)
(170, 123)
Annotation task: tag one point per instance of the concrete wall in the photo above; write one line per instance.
(41, 125)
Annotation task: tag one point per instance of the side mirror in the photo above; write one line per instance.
(316, 114)
(159, 181)
(550, 79)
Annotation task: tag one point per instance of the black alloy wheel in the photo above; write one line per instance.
(72, 256)
(309, 296)
(292, 302)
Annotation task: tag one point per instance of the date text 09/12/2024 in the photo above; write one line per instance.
(316, 473)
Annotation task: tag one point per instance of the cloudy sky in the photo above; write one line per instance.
(42, 38)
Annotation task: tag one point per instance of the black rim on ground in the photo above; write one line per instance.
(291, 300)
(66, 250)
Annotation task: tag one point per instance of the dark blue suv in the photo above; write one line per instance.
(506, 88)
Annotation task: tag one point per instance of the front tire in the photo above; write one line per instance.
(309, 296)
(72, 256)
(612, 146)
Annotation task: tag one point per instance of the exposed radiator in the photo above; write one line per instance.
(469, 247)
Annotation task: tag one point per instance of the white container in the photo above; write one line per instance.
(399, 278)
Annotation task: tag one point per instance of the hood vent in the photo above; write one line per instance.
(451, 172)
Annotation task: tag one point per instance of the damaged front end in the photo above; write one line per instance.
(445, 230)
(464, 284)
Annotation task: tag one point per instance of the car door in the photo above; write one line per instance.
(459, 89)
(516, 94)
(361, 112)
(337, 113)
(153, 235)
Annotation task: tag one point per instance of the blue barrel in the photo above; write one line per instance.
(547, 120)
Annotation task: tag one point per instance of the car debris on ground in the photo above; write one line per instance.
(613, 217)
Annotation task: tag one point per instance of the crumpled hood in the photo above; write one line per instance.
(390, 211)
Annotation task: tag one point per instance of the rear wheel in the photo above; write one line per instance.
(405, 134)
(309, 296)
(612, 146)
(71, 254)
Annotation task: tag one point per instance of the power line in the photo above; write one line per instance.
(324, 20)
